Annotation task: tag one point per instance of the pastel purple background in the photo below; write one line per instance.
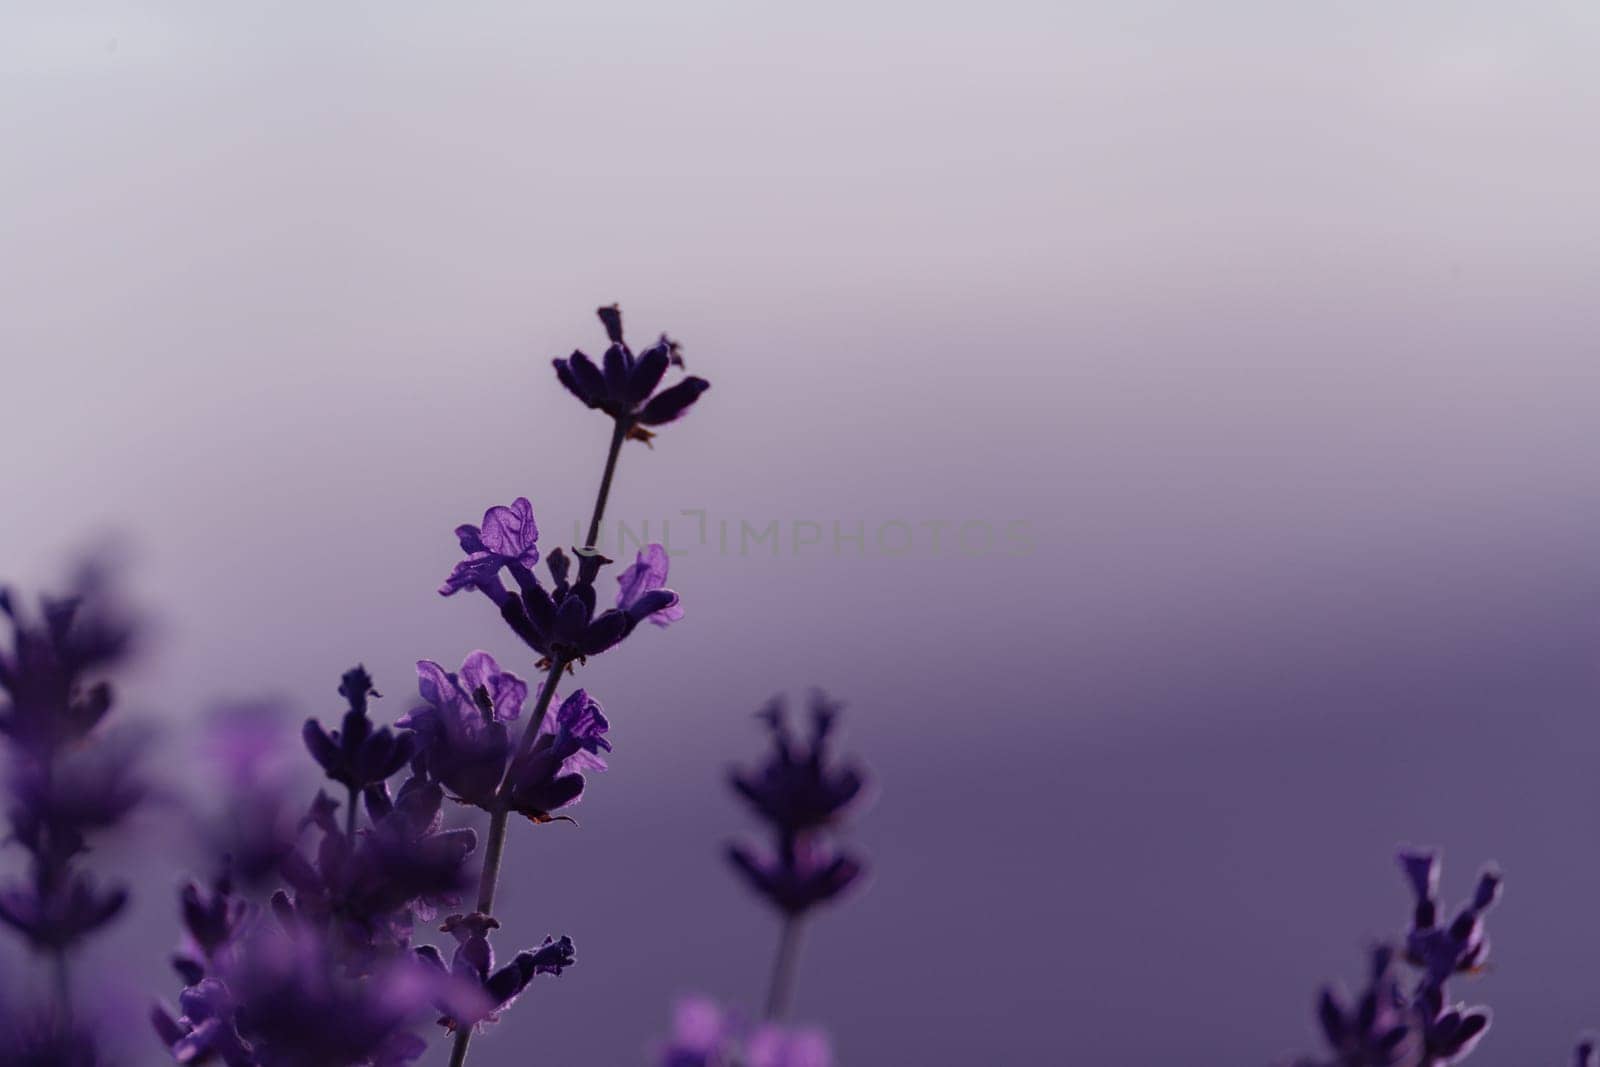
(1274, 324)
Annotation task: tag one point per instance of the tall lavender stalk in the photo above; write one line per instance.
(69, 782)
(561, 623)
(802, 795)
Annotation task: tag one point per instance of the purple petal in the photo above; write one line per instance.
(511, 531)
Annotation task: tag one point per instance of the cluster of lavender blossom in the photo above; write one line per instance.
(304, 945)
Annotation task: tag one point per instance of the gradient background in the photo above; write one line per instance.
(1275, 323)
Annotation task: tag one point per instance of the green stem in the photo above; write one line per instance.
(781, 991)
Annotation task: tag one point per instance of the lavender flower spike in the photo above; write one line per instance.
(473, 965)
(647, 576)
(508, 538)
(560, 623)
(357, 756)
(1460, 948)
(626, 388)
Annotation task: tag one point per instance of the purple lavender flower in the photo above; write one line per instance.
(703, 1035)
(1390, 1028)
(1583, 1055)
(52, 699)
(561, 624)
(461, 735)
(366, 892)
(252, 824)
(647, 575)
(56, 911)
(626, 388)
(782, 1046)
(797, 878)
(1374, 1032)
(473, 965)
(800, 792)
(799, 788)
(213, 919)
(1460, 948)
(707, 1035)
(357, 756)
(281, 998)
(508, 538)
(546, 776)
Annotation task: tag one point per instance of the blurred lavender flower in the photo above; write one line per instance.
(509, 537)
(626, 388)
(357, 756)
(281, 998)
(365, 892)
(69, 781)
(707, 1035)
(1389, 1028)
(799, 791)
(473, 964)
(1461, 947)
(560, 623)
(53, 698)
(246, 747)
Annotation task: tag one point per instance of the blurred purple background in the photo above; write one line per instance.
(1273, 326)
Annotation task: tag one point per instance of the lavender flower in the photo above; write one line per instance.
(357, 756)
(798, 788)
(51, 697)
(802, 874)
(247, 748)
(366, 892)
(545, 775)
(561, 624)
(1389, 1028)
(69, 783)
(800, 792)
(1374, 1032)
(1461, 947)
(626, 388)
(508, 538)
(281, 998)
(647, 575)
(473, 965)
(56, 910)
(707, 1035)
(461, 736)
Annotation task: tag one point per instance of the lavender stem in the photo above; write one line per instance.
(619, 434)
(494, 851)
(784, 967)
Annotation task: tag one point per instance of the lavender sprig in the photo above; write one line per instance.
(69, 782)
(802, 795)
(1386, 1027)
(464, 732)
